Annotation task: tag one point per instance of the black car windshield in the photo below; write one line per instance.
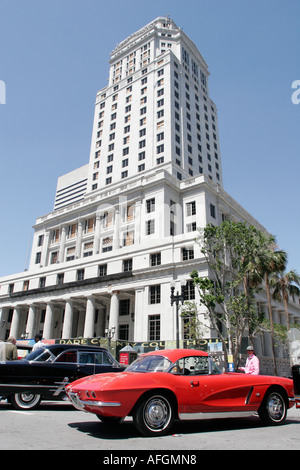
(40, 355)
(150, 364)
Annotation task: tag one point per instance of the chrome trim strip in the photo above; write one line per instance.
(80, 404)
(25, 386)
(99, 403)
(218, 414)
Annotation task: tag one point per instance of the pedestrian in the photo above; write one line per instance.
(11, 352)
(38, 342)
(252, 362)
(2, 351)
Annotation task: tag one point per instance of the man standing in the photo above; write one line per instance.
(11, 352)
(38, 342)
(252, 363)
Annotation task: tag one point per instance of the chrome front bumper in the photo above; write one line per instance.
(82, 404)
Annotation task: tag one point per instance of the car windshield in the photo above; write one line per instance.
(190, 365)
(195, 365)
(150, 364)
(40, 355)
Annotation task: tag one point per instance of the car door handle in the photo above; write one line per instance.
(194, 383)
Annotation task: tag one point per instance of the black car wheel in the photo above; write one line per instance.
(154, 415)
(25, 401)
(273, 409)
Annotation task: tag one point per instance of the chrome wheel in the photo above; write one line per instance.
(154, 416)
(273, 409)
(25, 401)
(157, 413)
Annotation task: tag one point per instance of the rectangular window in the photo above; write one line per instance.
(150, 205)
(25, 285)
(130, 212)
(155, 259)
(55, 236)
(107, 244)
(53, 257)
(213, 211)
(89, 225)
(187, 253)
(88, 249)
(124, 307)
(154, 294)
(70, 253)
(191, 227)
(189, 293)
(154, 327)
(150, 224)
(60, 279)
(80, 274)
(72, 231)
(41, 240)
(102, 270)
(191, 208)
(127, 265)
(124, 332)
(128, 238)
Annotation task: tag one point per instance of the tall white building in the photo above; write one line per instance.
(123, 226)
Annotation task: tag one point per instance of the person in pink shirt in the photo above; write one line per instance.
(252, 363)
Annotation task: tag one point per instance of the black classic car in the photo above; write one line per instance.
(44, 373)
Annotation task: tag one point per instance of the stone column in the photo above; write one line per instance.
(31, 321)
(96, 249)
(45, 248)
(3, 322)
(114, 311)
(48, 326)
(117, 234)
(137, 222)
(62, 244)
(89, 318)
(100, 327)
(79, 239)
(14, 329)
(68, 320)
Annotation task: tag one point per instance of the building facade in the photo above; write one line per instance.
(123, 227)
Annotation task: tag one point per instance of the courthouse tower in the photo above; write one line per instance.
(123, 227)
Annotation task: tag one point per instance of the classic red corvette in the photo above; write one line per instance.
(164, 385)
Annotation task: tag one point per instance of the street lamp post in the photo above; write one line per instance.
(109, 333)
(177, 298)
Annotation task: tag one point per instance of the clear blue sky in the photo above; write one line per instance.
(54, 58)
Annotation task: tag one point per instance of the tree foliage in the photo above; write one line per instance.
(237, 255)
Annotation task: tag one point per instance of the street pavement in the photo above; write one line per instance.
(58, 426)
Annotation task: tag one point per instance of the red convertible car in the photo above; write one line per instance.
(165, 385)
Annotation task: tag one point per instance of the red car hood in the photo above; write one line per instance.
(117, 381)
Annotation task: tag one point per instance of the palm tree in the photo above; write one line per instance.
(269, 260)
(284, 285)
